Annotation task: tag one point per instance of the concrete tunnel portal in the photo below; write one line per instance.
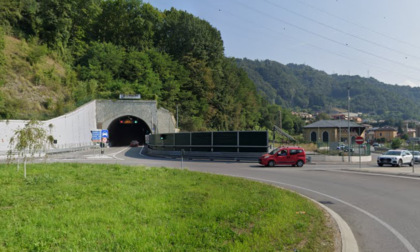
(127, 128)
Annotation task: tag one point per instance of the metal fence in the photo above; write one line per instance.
(337, 148)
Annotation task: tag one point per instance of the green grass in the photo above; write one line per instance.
(82, 207)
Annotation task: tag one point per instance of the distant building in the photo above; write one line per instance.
(304, 115)
(418, 130)
(411, 133)
(387, 133)
(344, 116)
(332, 131)
(370, 135)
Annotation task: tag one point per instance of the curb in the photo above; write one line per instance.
(399, 174)
(348, 241)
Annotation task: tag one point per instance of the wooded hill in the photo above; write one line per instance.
(303, 87)
(56, 55)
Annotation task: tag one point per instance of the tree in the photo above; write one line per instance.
(182, 35)
(396, 143)
(56, 22)
(102, 62)
(31, 139)
(121, 22)
(10, 12)
(322, 116)
(405, 136)
(2, 57)
(84, 14)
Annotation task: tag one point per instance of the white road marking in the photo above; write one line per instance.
(106, 156)
(118, 152)
(403, 240)
(98, 156)
(141, 150)
(373, 173)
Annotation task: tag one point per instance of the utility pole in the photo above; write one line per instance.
(280, 120)
(177, 116)
(339, 131)
(348, 122)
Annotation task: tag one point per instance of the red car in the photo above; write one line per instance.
(294, 156)
(134, 143)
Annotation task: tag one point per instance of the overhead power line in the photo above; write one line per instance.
(358, 25)
(330, 39)
(403, 54)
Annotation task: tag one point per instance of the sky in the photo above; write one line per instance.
(369, 38)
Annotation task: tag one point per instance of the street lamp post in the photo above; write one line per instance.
(348, 122)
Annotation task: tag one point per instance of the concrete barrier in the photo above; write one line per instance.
(334, 159)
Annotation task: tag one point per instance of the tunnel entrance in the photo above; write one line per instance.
(125, 129)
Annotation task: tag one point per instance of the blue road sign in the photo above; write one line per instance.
(104, 133)
(96, 135)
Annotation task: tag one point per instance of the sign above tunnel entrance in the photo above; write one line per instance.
(130, 97)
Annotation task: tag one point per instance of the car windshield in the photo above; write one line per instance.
(274, 151)
(393, 153)
(416, 152)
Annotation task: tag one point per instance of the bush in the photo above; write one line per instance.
(396, 143)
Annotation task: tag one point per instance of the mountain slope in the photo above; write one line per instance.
(34, 84)
(300, 86)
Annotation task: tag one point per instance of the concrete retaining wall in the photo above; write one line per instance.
(337, 159)
(166, 121)
(73, 129)
(70, 130)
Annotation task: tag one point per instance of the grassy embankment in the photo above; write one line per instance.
(84, 207)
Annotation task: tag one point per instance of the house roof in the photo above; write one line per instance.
(333, 124)
(385, 129)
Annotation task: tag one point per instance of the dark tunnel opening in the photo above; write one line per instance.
(125, 129)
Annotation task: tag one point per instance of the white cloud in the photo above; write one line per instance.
(410, 83)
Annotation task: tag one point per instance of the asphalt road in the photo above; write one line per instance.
(383, 211)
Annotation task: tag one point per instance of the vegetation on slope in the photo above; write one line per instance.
(61, 54)
(57, 55)
(299, 86)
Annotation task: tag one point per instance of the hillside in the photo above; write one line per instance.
(302, 87)
(56, 56)
(35, 85)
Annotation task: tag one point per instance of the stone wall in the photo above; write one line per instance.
(110, 110)
(166, 121)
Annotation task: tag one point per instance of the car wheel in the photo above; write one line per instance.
(400, 163)
(381, 165)
(412, 162)
(271, 163)
(299, 163)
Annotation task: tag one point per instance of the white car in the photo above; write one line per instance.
(416, 155)
(396, 158)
